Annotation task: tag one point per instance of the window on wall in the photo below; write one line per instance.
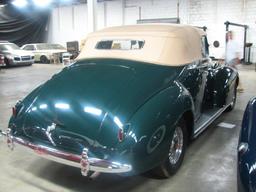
(117, 44)
(205, 47)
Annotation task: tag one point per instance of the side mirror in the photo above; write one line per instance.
(216, 44)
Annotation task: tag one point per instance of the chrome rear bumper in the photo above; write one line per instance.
(82, 161)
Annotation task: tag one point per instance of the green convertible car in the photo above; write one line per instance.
(131, 102)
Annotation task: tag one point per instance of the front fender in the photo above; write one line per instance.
(158, 115)
(225, 80)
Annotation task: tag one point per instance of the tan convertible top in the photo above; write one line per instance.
(165, 44)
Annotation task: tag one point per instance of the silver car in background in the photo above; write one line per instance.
(14, 56)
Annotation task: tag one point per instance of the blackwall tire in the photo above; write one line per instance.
(178, 145)
(44, 60)
(7, 63)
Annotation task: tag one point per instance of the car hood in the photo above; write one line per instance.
(19, 52)
(92, 99)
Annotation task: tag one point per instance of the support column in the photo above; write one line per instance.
(123, 11)
(92, 15)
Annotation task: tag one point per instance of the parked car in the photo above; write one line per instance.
(2, 61)
(14, 56)
(246, 175)
(46, 52)
(131, 102)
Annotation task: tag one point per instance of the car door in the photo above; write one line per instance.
(29, 48)
(36, 53)
(194, 78)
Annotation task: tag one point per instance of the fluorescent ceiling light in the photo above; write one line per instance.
(43, 106)
(62, 105)
(118, 122)
(42, 3)
(20, 3)
(93, 110)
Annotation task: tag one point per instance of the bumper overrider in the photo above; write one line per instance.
(82, 161)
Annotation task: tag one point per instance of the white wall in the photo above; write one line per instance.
(70, 23)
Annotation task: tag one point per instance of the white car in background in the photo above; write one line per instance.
(45, 52)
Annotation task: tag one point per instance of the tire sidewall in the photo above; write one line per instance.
(173, 168)
(7, 62)
(43, 59)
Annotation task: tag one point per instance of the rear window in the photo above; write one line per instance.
(117, 44)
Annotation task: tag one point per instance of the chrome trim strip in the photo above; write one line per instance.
(82, 161)
(208, 122)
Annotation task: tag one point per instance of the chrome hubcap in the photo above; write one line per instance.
(176, 146)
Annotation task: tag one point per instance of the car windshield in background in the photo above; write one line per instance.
(49, 46)
(8, 47)
(120, 44)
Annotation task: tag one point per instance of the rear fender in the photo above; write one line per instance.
(158, 115)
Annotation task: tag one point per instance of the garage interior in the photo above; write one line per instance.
(210, 162)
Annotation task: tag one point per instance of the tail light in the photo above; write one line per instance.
(17, 108)
(120, 135)
(122, 131)
(14, 112)
(1, 59)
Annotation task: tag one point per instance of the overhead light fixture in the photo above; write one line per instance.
(43, 3)
(20, 3)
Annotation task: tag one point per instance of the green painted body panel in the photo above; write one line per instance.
(91, 99)
(155, 114)
(225, 79)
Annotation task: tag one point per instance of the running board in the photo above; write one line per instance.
(206, 119)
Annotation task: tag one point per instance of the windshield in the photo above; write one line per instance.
(49, 46)
(8, 47)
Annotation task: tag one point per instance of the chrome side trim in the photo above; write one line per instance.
(209, 121)
(82, 161)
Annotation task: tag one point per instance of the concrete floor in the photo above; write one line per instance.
(209, 165)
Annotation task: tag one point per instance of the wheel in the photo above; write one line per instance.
(233, 103)
(7, 63)
(177, 148)
(43, 59)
